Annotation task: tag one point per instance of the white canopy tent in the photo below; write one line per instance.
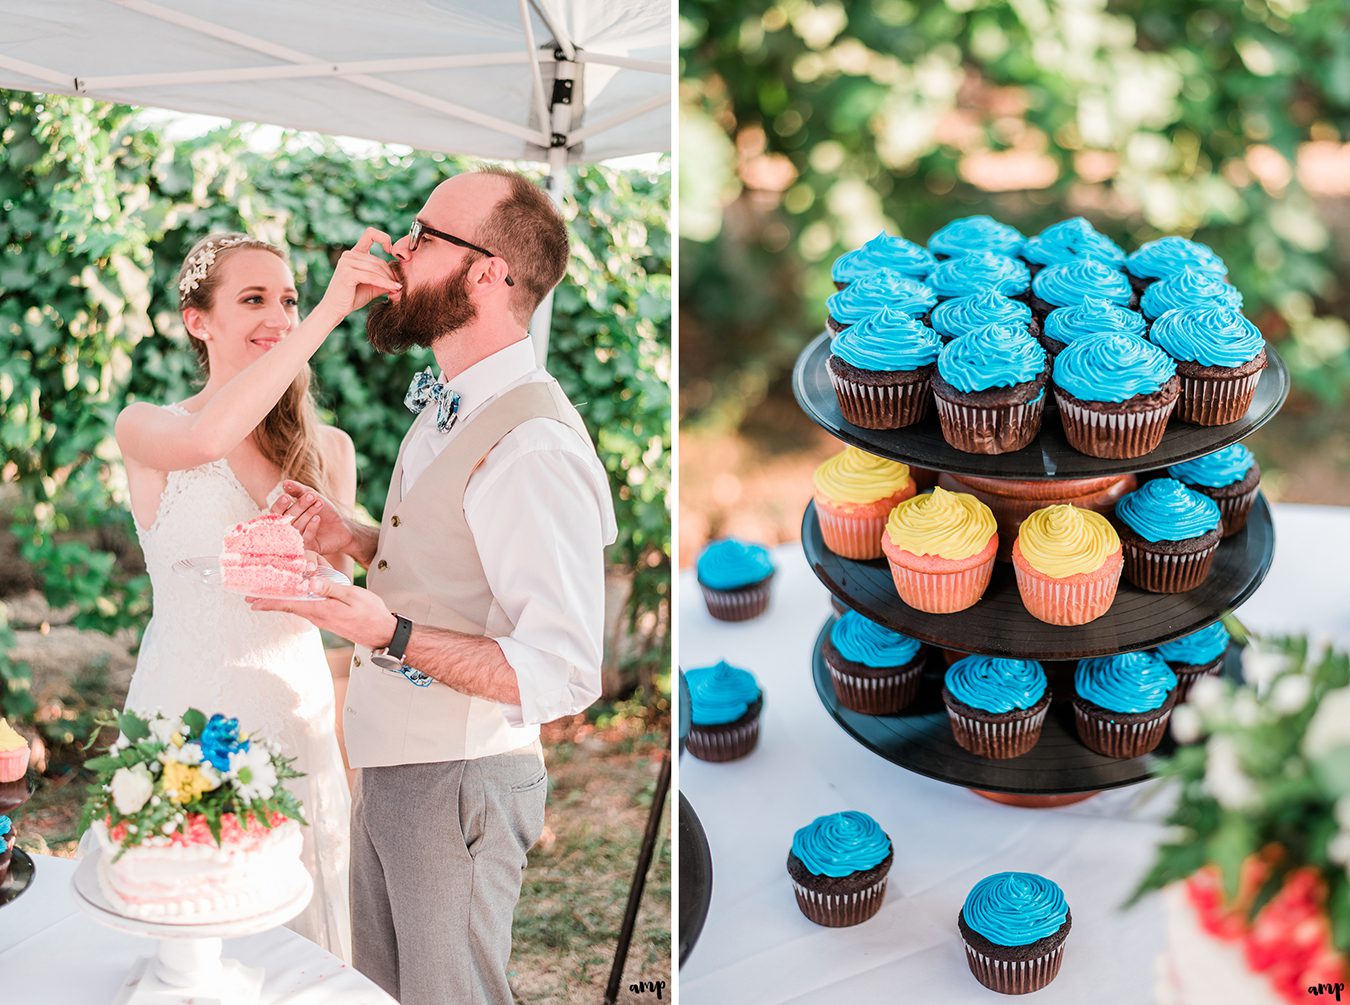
(557, 81)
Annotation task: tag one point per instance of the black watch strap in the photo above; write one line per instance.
(398, 645)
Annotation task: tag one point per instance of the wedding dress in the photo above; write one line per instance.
(205, 649)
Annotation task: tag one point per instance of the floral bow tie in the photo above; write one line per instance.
(425, 389)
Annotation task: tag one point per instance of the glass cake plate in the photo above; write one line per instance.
(207, 570)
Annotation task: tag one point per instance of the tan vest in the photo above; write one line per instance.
(427, 568)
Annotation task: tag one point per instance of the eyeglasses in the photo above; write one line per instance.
(418, 230)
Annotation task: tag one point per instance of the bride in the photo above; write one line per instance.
(195, 468)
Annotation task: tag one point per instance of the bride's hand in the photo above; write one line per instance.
(318, 521)
(360, 277)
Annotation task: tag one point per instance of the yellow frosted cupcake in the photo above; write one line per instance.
(1068, 563)
(855, 492)
(13, 753)
(941, 548)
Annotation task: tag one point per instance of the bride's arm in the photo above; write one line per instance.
(153, 437)
(340, 459)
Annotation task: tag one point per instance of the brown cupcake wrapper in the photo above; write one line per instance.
(737, 605)
(1000, 739)
(998, 430)
(1113, 435)
(840, 910)
(723, 744)
(942, 592)
(1186, 681)
(1116, 739)
(1234, 511)
(881, 406)
(1015, 977)
(1160, 573)
(850, 536)
(1066, 601)
(1216, 401)
(876, 695)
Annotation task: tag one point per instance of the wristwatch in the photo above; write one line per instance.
(390, 657)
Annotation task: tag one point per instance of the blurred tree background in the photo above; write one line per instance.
(806, 128)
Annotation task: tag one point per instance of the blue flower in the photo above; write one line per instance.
(220, 739)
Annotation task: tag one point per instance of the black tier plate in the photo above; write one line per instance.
(920, 739)
(1000, 626)
(695, 878)
(685, 712)
(21, 869)
(1050, 456)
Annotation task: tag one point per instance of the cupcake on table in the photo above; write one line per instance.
(881, 370)
(996, 706)
(941, 548)
(1169, 535)
(1122, 703)
(1166, 257)
(874, 670)
(1071, 240)
(1015, 925)
(1115, 394)
(1220, 356)
(838, 865)
(1092, 316)
(977, 271)
(1196, 655)
(913, 261)
(879, 290)
(990, 389)
(963, 315)
(735, 577)
(724, 707)
(976, 234)
(1230, 476)
(1068, 563)
(1069, 284)
(854, 493)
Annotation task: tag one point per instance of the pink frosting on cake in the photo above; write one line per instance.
(264, 555)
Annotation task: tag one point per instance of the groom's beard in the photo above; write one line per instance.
(422, 315)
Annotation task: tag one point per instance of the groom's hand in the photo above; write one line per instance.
(324, 529)
(349, 611)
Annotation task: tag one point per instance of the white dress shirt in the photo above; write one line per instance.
(540, 510)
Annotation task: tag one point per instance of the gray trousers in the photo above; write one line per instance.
(438, 852)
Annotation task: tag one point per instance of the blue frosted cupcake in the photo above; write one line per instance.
(724, 706)
(874, 670)
(1068, 285)
(1071, 240)
(1220, 356)
(881, 369)
(1196, 655)
(1169, 535)
(1167, 256)
(913, 261)
(735, 577)
(1115, 394)
(881, 290)
(976, 272)
(1188, 288)
(1121, 704)
(838, 866)
(1066, 325)
(974, 234)
(1015, 925)
(996, 706)
(961, 315)
(990, 389)
(1230, 476)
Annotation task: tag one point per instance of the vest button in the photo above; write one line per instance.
(394, 520)
(356, 660)
(381, 564)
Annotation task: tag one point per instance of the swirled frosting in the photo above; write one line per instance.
(841, 844)
(1093, 315)
(961, 315)
(1210, 336)
(1209, 643)
(855, 476)
(1188, 288)
(1015, 908)
(1226, 466)
(889, 340)
(720, 693)
(976, 271)
(1071, 240)
(1165, 510)
(951, 525)
(861, 640)
(996, 684)
(878, 290)
(991, 356)
(884, 252)
(1130, 682)
(1063, 540)
(1069, 284)
(976, 233)
(1169, 255)
(1112, 366)
(732, 563)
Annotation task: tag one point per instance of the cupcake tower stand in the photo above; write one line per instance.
(21, 867)
(1059, 769)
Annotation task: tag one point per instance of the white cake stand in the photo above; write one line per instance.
(188, 965)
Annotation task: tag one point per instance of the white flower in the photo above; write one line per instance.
(131, 787)
(121, 743)
(1260, 665)
(1246, 709)
(1290, 694)
(1343, 812)
(1339, 849)
(188, 753)
(1206, 694)
(1187, 725)
(211, 775)
(1224, 778)
(1330, 725)
(252, 773)
(163, 729)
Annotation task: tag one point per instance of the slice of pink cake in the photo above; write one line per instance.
(264, 555)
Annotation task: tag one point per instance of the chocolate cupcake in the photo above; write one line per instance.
(1220, 356)
(1066, 325)
(1196, 655)
(990, 390)
(838, 866)
(1068, 285)
(6, 846)
(962, 315)
(1169, 536)
(1014, 925)
(975, 234)
(881, 290)
(910, 260)
(1121, 704)
(976, 272)
(13, 794)
(1230, 476)
(881, 370)
(996, 706)
(1071, 240)
(724, 702)
(1115, 394)
(1188, 288)
(1166, 257)
(874, 670)
(735, 577)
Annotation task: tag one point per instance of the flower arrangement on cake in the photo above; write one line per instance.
(194, 819)
(1255, 874)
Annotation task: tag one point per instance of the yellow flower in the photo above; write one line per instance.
(185, 783)
(177, 739)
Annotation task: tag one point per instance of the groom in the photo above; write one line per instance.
(484, 612)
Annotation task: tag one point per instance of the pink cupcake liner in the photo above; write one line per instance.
(1113, 435)
(13, 764)
(1015, 977)
(998, 740)
(1074, 600)
(723, 744)
(1159, 573)
(840, 910)
(1216, 401)
(1117, 739)
(888, 406)
(998, 430)
(942, 592)
(876, 695)
(851, 536)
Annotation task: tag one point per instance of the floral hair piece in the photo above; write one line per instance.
(199, 264)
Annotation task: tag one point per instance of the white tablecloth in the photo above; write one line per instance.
(757, 947)
(52, 952)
